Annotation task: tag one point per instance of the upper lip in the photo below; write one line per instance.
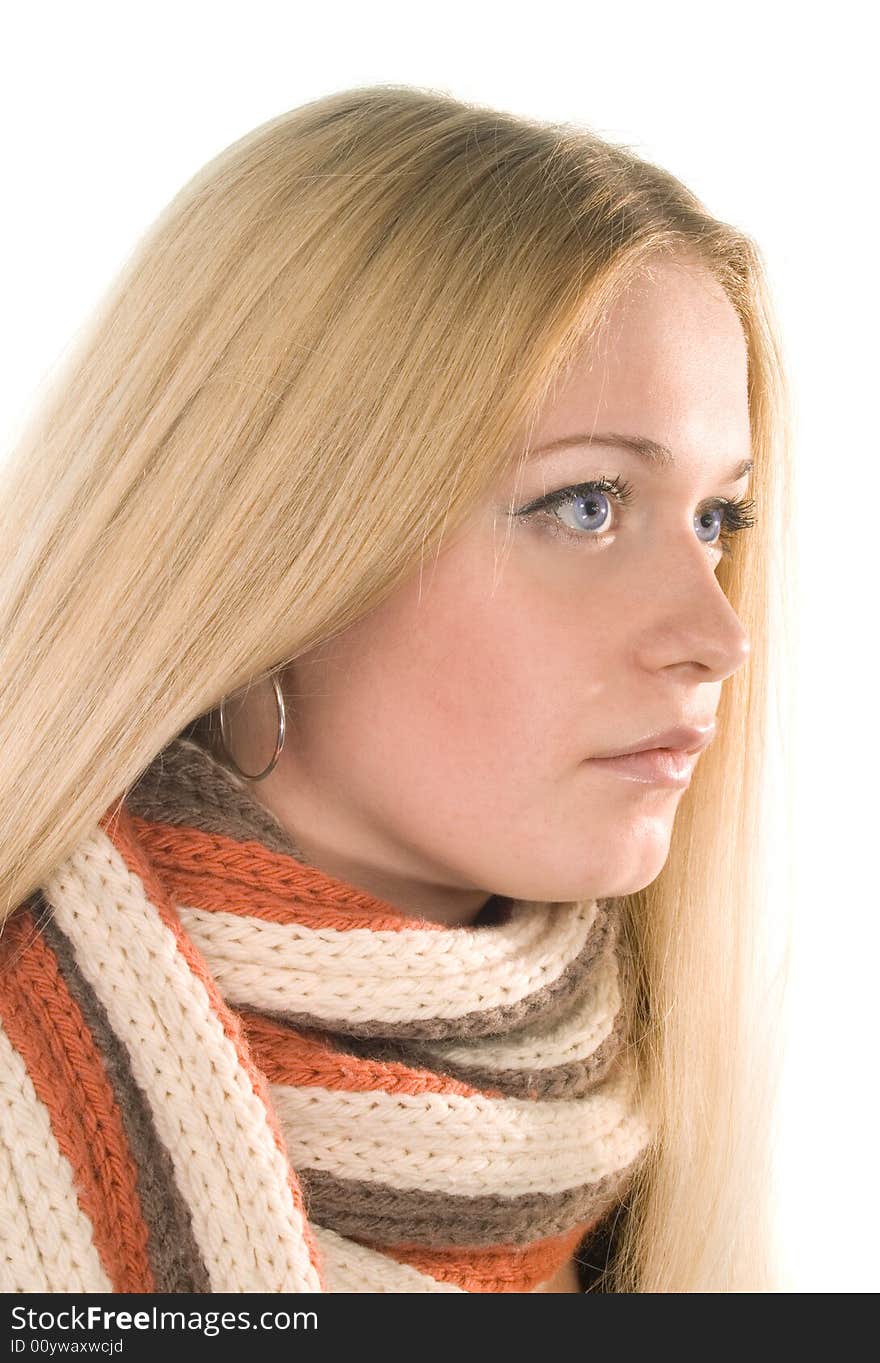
(683, 738)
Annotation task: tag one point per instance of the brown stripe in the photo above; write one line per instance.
(503, 1268)
(175, 1258)
(572, 1080)
(185, 785)
(380, 1214)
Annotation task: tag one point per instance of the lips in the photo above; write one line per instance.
(651, 766)
(680, 740)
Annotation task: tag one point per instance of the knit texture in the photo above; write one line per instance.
(223, 1070)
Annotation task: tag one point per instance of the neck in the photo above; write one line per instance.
(416, 898)
(410, 894)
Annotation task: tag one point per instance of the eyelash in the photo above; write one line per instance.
(738, 514)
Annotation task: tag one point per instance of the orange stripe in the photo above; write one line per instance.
(123, 831)
(46, 1026)
(210, 871)
(494, 1268)
(287, 1056)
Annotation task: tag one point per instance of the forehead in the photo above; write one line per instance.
(665, 379)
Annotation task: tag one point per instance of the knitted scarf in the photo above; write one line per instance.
(226, 1071)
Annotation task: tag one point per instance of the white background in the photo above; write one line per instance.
(768, 112)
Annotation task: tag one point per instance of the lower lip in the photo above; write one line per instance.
(656, 766)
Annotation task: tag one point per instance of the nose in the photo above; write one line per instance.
(694, 625)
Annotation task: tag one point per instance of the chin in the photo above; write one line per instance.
(602, 883)
(623, 864)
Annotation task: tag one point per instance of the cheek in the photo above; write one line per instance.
(470, 687)
(457, 694)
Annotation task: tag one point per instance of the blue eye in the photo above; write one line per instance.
(591, 507)
(735, 516)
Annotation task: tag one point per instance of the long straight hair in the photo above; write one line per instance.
(327, 347)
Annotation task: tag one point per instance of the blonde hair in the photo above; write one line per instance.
(321, 354)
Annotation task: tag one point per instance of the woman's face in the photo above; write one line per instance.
(436, 752)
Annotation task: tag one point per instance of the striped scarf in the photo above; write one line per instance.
(226, 1071)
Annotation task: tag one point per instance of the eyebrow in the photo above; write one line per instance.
(651, 450)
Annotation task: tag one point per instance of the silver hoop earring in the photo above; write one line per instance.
(279, 742)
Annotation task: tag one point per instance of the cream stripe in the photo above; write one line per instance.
(350, 1267)
(571, 1038)
(213, 1124)
(444, 1142)
(48, 1243)
(334, 974)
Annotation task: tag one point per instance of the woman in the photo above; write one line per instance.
(422, 457)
